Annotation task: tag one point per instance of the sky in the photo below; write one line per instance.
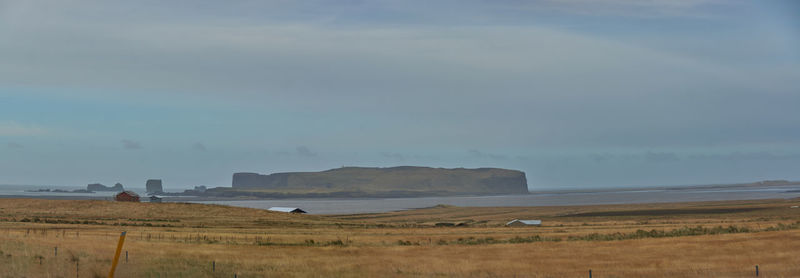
(575, 93)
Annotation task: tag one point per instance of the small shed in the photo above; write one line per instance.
(524, 223)
(285, 209)
(155, 199)
(127, 196)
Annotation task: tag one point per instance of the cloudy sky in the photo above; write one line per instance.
(576, 93)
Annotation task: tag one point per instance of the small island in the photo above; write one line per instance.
(47, 190)
(99, 187)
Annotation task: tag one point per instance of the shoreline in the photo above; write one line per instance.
(327, 206)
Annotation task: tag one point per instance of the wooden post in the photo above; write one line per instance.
(213, 266)
(116, 255)
(55, 251)
(756, 270)
(126, 256)
(590, 273)
(77, 269)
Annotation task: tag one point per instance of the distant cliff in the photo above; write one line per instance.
(384, 182)
(99, 187)
(154, 186)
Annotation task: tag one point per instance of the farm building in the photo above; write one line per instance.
(524, 223)
(127, 196)
(285, 209)
(155, 199)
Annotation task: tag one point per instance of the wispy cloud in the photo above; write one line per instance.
(747, 156)
(483, 155)
(659, 157)
(131, 145)
(393, 156)
(304, 151)
(601, 157)
(14, 145)
(11, 128)
(199, 147)
(633, 8)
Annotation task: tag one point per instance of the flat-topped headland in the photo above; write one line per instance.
(403, 181)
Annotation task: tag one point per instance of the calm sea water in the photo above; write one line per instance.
(553, 198)
(352, 206)
(21, 190)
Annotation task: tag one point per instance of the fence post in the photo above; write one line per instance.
(756, 270)
(590, 273)
(126, 256)
(55, 251)
(213, 266)
(116, 254)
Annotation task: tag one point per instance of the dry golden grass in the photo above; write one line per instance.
(156, 213)
(257, 243)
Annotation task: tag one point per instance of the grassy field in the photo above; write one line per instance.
(709, 239)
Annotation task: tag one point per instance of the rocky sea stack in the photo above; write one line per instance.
(99, 187)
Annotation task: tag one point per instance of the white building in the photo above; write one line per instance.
(285, 209)
(523, 223)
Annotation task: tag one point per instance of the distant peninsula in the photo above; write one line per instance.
(354, 182)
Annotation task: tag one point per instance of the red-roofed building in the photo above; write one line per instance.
(127, 196)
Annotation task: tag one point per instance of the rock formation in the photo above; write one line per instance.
(154, 186)
(438, 181)
(99, 187)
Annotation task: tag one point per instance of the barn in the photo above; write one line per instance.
(285, 209)
(524, 223)
(127, 196)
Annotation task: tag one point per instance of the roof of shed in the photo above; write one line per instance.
(129, 193)
(286, 209)
(526, 222)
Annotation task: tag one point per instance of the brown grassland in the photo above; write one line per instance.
(708, 239)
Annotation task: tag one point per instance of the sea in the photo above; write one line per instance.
(539, 198)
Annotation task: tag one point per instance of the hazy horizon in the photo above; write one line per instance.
(575, 93)
(180, 188)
